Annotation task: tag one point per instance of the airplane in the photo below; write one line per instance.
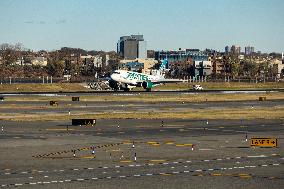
(127, 80)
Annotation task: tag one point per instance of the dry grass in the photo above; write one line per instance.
(224, 113)
(69, 87)
(64, 87)
(222, 86)
(156, 98)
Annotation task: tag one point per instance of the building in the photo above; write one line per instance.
(189, 55)
(40, 61)
(218, 68)
(279, 66)
(139, 64)
(131, 47)
(97, 60)
(249, 50)
(227, 49)
(150, 54)
(235, 49)
(202, 68)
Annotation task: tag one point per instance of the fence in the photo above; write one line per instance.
(199, 79)
(19, 80)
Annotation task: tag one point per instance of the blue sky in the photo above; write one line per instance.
(165, 24)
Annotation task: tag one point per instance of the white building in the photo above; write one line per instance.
(40, 61)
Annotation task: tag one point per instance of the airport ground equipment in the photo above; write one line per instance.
(86, 122)
(197, 87)
(262, 98)
(99, 85)
(75, 98)
(53, 103)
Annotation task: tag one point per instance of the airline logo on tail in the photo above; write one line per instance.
(164, 64)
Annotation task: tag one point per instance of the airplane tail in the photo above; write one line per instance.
(164, 65)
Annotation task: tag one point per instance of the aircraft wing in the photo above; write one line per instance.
(161, 81)
(164, 81)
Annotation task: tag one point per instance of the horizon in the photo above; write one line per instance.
(98, 25)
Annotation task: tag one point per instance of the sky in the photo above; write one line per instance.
(165, 24)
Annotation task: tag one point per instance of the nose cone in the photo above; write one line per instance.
(114, 76)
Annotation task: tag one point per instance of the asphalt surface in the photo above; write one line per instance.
(64, 107)
(140, 153)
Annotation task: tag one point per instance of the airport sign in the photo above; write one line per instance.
(263, 142)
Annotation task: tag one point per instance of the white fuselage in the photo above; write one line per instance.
(132, 78)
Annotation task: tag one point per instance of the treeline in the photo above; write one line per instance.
(16, 61)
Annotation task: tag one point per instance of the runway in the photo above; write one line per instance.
(37, 155)
(139, 153)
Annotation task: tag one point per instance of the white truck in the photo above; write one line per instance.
(197, 88)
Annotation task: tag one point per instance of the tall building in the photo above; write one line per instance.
(235, 49)
(131, 47)
(227, 49)
(249, 50)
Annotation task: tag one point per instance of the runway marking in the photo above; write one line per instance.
(158, 162)
(201, 173)
(157, 144)
(60, 129)
(183, 145)
(79, 149)
(165, 174)
(206, 149)
(213, 129)
(152, 142)
(260, 156)
(216, 174)
(126, 161)
(87, 157)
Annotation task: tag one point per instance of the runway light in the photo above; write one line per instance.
(74, 153)
(133, 144)
(2, 129)
(135, 157)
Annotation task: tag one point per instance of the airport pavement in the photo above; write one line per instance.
(110, 106)
(138, 153)
(41, 154)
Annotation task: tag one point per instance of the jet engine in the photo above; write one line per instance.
(147, 85)
(113, 84)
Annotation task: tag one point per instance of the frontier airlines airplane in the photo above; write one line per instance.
(126, 80)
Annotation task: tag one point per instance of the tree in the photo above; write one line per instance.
(8, 53)
(55, 68)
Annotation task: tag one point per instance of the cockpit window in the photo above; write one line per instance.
(116, 72)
